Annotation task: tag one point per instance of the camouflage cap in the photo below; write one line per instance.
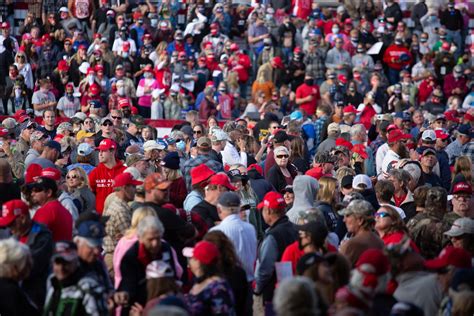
(358, 207)
(324, 157)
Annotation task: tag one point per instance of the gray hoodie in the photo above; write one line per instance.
(305, 189)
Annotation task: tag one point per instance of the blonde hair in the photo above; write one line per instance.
(139, 214)
(82, 173)
(172, 174)
(342, 172)
(327, 187)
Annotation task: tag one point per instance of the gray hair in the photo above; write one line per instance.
(357, 129)
(229, 209)
(296, 296)
(401, 175)
(167, 310)
(14, 255)
(150, 223)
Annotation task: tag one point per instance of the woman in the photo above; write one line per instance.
(297, 155)
(263, 85)
(352, 96)
(171, 171)
(207, 107)
(148, 133)
(77, 184)
(211, 294)
(198, 131)
(211, 122)
(402, 197)
(15, 265)
(232, 269)
(463, 165)
(390, 226)
(283, 172)
(144, 90)
(24, 69)
(328, 197)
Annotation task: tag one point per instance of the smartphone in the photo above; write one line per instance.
(263, 134)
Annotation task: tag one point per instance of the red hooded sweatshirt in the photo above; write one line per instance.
(100, 180)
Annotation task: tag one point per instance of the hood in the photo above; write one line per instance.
(305, 189)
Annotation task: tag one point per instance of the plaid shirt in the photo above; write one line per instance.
(120, 218)
(315, 63)
(53, 6)
(376, 144)
(318, 128)
(199, 160)
(468, 150)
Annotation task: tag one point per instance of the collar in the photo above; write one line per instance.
(143, 256)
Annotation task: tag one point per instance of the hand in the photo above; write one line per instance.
(136, 310)
(310, 98)
(61, 162)
(121, 298)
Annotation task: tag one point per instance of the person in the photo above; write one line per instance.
(230, 154)
(211, 294)
(241, 234)
(10, 188)
(177, 189)
(464, 136)
(390, 226)
(51, 213)
(119, 214)
(282, 173)
(462, 196)
(397, 150)
(328, 198)
(38, 238)
(359, 220)
(133, 269)
(68, 288)
(16, 264)
(305, 190)
(100, 179)
(402, 196)
(199, 180)
(461, 234)
(280, 234)
(296, 296)
(77, 184)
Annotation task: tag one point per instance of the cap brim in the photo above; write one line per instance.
(188, 252)
(93, 242)
(6, 221)
(65, 257)
(344, 212)
(454, 232)
(104, 148)
(260, 205)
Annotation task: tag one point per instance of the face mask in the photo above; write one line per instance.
(457, 75)
(69, 96)
(91, 79)
(415, 47)
(154, 22)
(266, 46)
(309, 82)
(148, 75)
(181, 146)
(110, 20)
(140, 22)
(351, 89)
(335, 30)
(222, 90)
(123, 37)
(360, 50)
(125, 54)
(121, 91)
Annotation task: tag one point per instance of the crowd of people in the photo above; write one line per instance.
(320, 162)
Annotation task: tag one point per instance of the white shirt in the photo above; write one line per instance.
(244, 238)
(230, 155)
(388, 160)
(118, 46)
(379, 156)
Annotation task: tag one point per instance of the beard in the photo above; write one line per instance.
(403, 152)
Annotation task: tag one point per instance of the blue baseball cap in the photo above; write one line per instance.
(92, 231)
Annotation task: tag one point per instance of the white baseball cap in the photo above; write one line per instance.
(361, 179)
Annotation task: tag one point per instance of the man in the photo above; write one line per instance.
(148, 248)
(349, 114)
(219, 139)
(359, 136)
(397, 151)
(307, 96)
(88, 239)
(203, 149)
(23, 143)
(106, 130)
(428, 161)
(241, 234)
(153, 152)
(338, 58)
(464, 135)
(218, 184)
(37, 142)
(51, 152)
(69, 289)
(455, 83)
(49, 123)
(322, 122)
(453, 20)
(51, 213)
(323, 165)
(37, 237)
(119, 215)
(177, 231)
(280, 234)
(10, 42)
(230, 154)
(359, 221)
(462, 196)
(139, 163)
(333, 131)
(397, 57)
(101, 178)
(43, 99)
(133, 131)
(426, 228)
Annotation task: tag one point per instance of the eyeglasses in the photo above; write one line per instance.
(462, 197)
(381, 215)
(282, 156)
(197, 132)
(107, 124)
(117, 117)
(74, 176)
(88, 122)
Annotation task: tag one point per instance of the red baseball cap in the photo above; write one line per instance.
(124, 179)
(200, 173)
(94, 89)
(360, 149)
(469, 117)
(204, 251)
(98, 68)
(3, 132)
(345, 143)
(62, 65)
(90, 70)
(123, 103)
(221, 179)
(5, 25)
(82, 46)
(277, 62)
(441, 134)
(32, 173)
(342, 79)
(396, 135)
(11, 210)
(350, 109)
(451, 116)
(234, 47)
(450, 256)
(256, 167)
(272, 200)
(51, 173)
(107, 144)
(461, 187)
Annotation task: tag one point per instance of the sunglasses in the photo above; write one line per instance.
(197, 132)
(382, 214)
(117, 117)
(282, 156)
(74, 176)
(107, 124)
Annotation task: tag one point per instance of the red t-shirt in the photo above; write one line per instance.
(302, 92)
(57, 218)
(101, 182)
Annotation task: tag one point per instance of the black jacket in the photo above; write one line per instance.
(277, 179)
(14, 301)
(208, 213)
(259, 185)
